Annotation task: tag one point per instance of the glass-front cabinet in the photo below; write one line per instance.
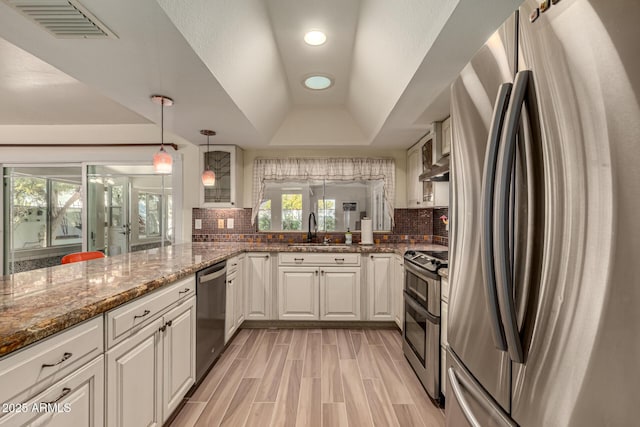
(226, 162)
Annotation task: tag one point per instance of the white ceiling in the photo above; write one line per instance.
(236, 67)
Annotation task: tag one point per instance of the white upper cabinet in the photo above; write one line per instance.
(226, 161)
(427, 194)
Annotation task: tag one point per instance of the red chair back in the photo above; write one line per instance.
(81, 256)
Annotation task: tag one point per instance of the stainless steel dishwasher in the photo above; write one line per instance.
(211, 291)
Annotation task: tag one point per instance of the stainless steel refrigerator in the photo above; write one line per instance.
(544, 311)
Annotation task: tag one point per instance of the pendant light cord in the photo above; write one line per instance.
(162, 124)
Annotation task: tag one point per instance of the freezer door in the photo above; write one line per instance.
(467, 403)
(582, 362)
(471, 326)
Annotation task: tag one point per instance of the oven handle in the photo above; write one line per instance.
(411, 268)
(420, 309)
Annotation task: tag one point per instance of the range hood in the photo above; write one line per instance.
(437, 173)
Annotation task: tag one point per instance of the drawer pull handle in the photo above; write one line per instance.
(298, 259)
(65, 356)
(65, 391)
(186, 290)
(146, 312)
(339, 259)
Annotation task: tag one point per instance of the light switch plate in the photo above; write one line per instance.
(198, 224)
(221, 223)
(230, 222)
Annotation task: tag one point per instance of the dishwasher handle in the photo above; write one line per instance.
(213, 276)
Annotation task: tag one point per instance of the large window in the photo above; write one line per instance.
(44, 211)
(327, 214)
(292, 212)
(149, 211)
(337, 205)
(264, 216)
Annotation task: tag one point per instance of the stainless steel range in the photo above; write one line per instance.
(421, 337)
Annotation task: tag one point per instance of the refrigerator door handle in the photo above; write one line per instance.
(488, 190)
(504, 269)
(464, 405)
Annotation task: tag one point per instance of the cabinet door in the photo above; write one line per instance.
(75, 400)
(179, 356)
(398, 287)
(230, 317)
(240, 282)
(258, 286)
(226, 161)
(414, 169)
(134, 378)
(380, 280)
(298, 293)
(339, 293)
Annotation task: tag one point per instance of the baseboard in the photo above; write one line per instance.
(318, 324)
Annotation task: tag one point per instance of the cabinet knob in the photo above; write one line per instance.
(169, 323)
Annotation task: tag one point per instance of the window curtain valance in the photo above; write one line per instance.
(334, 169)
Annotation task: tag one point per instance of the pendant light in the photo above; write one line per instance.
(208, 176)
(162, 161)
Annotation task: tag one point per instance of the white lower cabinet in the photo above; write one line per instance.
(179, 357)
(229, 314)
(398, 291)
(134, 378)
(298, 293)
(76, 400)
(258, 286)
(239, 292)
(340, 293)
(149, 372)
(380, 286)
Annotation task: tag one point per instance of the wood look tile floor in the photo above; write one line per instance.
(311, 377)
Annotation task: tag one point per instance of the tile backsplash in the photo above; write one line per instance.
(411, 225)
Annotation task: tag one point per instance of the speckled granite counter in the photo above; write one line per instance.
(36, 304)
(444, 272)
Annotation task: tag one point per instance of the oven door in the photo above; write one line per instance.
(421, 344)
(423, 286)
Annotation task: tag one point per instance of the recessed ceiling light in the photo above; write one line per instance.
(315, 38)
(318, 82)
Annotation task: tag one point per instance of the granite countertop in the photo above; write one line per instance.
(36, 304)
(444, 272)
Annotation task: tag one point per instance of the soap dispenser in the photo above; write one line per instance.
(348, 237)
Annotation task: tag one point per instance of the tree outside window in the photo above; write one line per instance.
(264, 216)
(292, 212)
(46, 212)
(327, 215)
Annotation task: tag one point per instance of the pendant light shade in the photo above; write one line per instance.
(162, 161)
(208, 176)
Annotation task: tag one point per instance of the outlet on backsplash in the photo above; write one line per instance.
(221, 223)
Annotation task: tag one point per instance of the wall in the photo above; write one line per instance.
(411, 226)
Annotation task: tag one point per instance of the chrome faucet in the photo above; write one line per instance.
(310, 235)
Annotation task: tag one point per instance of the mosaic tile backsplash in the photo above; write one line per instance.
(411, 225)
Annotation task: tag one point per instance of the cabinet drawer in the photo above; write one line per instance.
(42, 364)
(125, 320)
(75, 400)
(232, 264)
(306, 258)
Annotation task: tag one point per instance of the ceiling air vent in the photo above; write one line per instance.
(65, 19)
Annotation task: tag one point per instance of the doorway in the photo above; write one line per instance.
(129, 208)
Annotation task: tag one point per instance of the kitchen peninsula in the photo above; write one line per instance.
(40, 303)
